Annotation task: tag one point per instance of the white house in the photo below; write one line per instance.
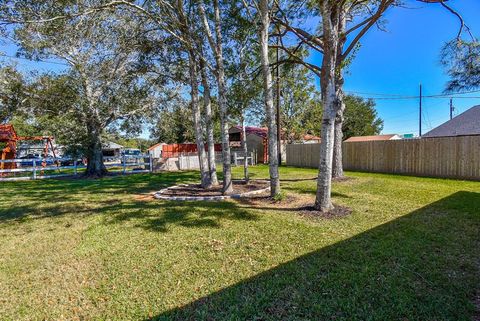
(111, 149)
(156, 150)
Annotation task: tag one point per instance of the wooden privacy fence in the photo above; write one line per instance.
(451, 157)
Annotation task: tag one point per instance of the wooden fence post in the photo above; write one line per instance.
(124, 163)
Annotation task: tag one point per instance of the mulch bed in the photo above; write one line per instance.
(239, 187)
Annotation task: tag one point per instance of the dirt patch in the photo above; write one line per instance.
(144, 197)
(264, 199)
(342, 179)
(196, 190)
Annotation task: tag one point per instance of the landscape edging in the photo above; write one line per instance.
(158, 195)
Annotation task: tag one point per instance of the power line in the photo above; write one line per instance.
(40, 61)
(384, 96)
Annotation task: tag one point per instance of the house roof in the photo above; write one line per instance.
(259, 131)
(371, 138)
(465, 124)
(111, 145)
(155, 146)
(310, 137)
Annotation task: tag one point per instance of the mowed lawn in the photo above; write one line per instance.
(101, 249)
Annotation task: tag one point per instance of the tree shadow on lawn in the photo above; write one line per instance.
(422, 266)
(158, 215)
(47, 198)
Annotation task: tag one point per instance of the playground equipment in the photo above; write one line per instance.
(9, 136)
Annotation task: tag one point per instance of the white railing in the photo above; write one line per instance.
(35, 169)
(187, 161)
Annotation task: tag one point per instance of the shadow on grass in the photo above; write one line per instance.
(54, 197)
(422, 266)
(158, 215)
(106, 197)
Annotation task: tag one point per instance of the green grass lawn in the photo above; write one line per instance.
(95, 249)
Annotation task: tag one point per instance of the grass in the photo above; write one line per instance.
(95, 249)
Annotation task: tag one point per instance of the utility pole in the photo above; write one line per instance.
(420, 114)
(451, 108)
(277, 71)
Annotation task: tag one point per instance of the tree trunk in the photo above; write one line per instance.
(95, 166)
(222, 103)
(245, 151)
(337, 171)
(268, 96)
(197, 120)
(212, 167)
(323, 200)
(197, 114)
(339, 81)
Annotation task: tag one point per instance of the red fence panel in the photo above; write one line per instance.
(175, 150)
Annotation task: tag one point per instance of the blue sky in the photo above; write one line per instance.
(393, 62)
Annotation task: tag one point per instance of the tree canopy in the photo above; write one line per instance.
(462, 61)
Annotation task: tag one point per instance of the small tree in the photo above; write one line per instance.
(361, 118)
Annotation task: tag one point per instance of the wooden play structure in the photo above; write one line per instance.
(9, 136)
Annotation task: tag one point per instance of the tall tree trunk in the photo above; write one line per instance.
(337, 171)
(197, 120)
(268, 96)
(323, 201)
(222, 103)
(339, 81)
(245, 150)
(212, 167)
(95, 166)
(197, 114)
(217, 48)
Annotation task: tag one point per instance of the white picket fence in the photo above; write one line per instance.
(125, 164)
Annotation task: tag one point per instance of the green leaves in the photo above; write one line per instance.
(462, 61)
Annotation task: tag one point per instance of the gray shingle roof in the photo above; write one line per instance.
(467, 123)
(111, 145)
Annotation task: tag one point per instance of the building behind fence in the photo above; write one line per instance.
(450, 157)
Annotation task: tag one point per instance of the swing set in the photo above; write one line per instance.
(8, 154)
